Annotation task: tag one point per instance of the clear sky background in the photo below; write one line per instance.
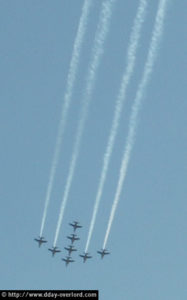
(148, 241)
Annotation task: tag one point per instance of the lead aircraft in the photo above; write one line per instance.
(67, 260)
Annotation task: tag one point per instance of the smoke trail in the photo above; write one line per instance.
(153, 49)
(67, 99)
(131, 57)
(101, 33)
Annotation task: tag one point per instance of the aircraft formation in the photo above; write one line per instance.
(70, 248)
(101, 33)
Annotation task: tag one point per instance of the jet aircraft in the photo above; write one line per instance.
(73, 238)
(75, 225)
(85, 256)
(103, 252)
(67, 260)
(54, 250)
(70, 249)
(40, 240)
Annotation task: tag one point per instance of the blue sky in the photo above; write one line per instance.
(147, 241)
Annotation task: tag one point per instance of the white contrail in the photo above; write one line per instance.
(153, 49)
(131, 57)
(67, 100)
(101, 33)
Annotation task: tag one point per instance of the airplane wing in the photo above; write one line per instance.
(67, 260)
